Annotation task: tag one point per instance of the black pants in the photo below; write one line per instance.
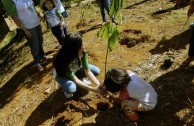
(191, 42)
(59, 33)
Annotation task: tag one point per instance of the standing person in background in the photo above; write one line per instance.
(71, 66)
(25, 16)
(55, 20)
(191, 41)
(61, 8)
(105, 6)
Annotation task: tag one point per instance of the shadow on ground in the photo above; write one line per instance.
(57, 105)
(176, 42)
(19, 80)
(175, 93)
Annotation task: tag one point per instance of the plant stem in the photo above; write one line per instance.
(106, 60)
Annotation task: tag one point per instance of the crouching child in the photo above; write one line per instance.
(135, 94)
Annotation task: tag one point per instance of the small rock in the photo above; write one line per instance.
(47, 91)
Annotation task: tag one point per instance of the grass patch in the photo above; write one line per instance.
(7, 39)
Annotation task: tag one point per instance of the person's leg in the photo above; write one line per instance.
(58, 33)
(65, 30)
(81, 74)
(102, 9)
(40, 41)
(107, 8)
(68, 85)
(34, 45)
(131, 106)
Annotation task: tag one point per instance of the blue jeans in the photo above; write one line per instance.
(68, 85)
(59, 33)
(104, 6)
(36, 44)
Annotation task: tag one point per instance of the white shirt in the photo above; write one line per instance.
(141, 90)
(27, 13)
(52, 18)
(59, 6)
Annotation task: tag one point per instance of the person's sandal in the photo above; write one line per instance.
(48, 57)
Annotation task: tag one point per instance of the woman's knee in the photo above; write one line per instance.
(95, 70)
(70, 87)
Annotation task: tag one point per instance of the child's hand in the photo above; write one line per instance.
(62, 24)
(103, 91)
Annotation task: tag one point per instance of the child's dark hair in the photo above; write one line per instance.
(116, 79)
(68, 53)
(43, 6)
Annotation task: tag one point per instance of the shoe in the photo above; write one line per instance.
(48, 57)
(103, 23)
(68, 95)
(115, 23)
(39, 67)
(86, 81)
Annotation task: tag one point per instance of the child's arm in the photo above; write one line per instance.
(92, 77)
(58, 13)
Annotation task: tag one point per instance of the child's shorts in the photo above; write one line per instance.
(134, 105)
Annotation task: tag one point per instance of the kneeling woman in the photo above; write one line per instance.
(71, 66)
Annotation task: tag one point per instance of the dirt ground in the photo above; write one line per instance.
(152, 32)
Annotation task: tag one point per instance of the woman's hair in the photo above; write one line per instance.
(68, 53)
(116, 79)
(43, 6)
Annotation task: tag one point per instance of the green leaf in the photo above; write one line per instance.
(111, 12)
(113, 39)
(116, 5)
(121, 18)
(105, 33)
(99, 34)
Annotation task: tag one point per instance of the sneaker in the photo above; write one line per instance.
(68, 95)
(39, 67)
(86, 81)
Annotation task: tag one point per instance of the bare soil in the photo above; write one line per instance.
(151, 33)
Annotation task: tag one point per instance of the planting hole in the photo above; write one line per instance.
(102, 106)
